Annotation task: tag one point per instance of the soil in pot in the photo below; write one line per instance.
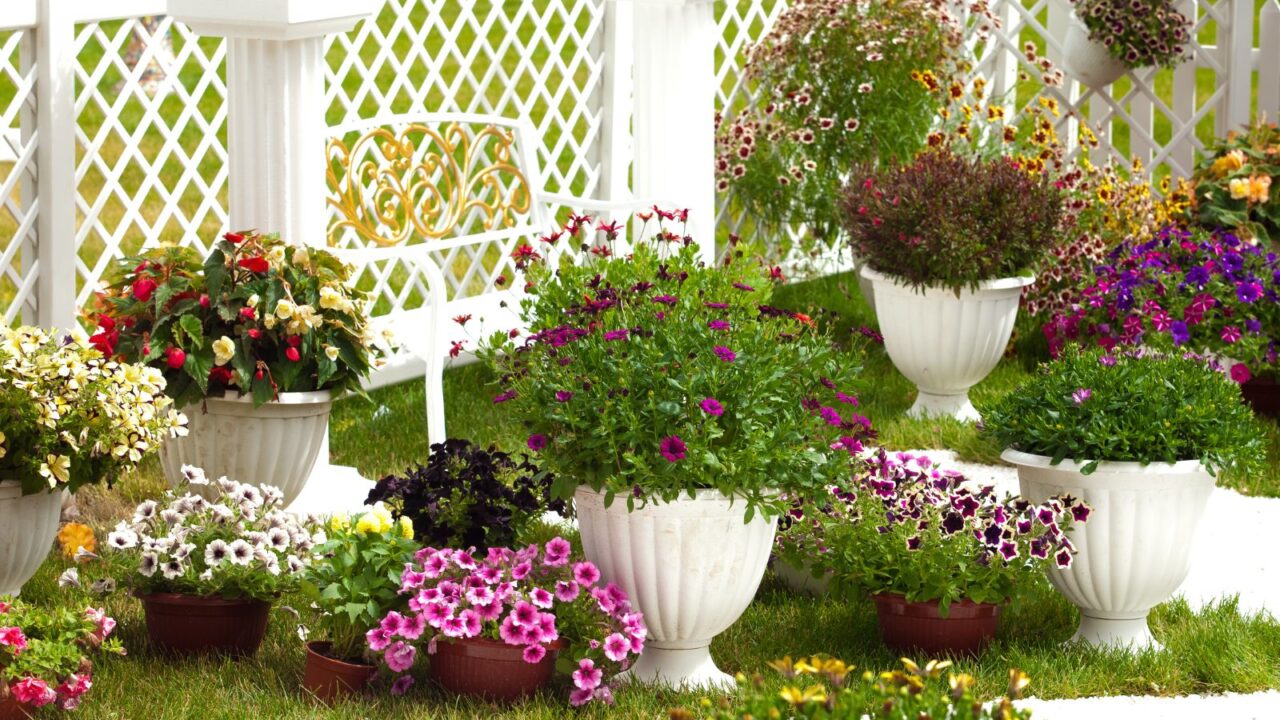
(187, 625)
(1263, 395)
(918, 626)
(490, 669)
(329, 679)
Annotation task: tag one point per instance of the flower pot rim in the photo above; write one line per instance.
(1004, 283)
(557, 644)
(311, 397)
(7, 484)
(962, 602)
(1017, 457)
(173, 598)
(313, 647)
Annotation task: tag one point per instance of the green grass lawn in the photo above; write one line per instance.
(1214, 650)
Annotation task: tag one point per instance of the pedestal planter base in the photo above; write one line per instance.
(186, 625)
(956, 406)
(678, 667)
(327, 679)
(1132, 633)
(28, 526)
(489, 669)
(918, 626)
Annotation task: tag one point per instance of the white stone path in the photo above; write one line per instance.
(1232, 556)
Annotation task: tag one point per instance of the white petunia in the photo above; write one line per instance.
(123, 538)
(69, 578)
(241, 553)
(216, 552)
(194, 475)
(148, 564)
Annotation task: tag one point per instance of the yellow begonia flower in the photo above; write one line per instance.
(331, 352)
(1228, 163)
(330, 298)
(339, 522)
(275, 255)
(1239, 188)
(284, 309)
(301, 256)
(224, 348)
(3, 451)
(74, 536)
(406, 527)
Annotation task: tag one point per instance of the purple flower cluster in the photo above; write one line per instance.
(513, 596)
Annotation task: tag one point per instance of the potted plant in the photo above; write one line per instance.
(950, 242)
(799, 535)
(352, 583)
(1139, 437)
(208, 570)
(497, 626)
(1192, 289)
(1233, 184)
(70, 417)
(1107, 38)
(467, 496)
(44, 656)
(254, 340)
(938, 555)
(670, 400)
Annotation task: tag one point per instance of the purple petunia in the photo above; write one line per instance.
(537, 442)
(617, 334)
(1081, 396)
(665, 299)
(725, 353)
(508, 395)
(1179, 331)
(743, 287)
(672, 448)
(1249, 292)
(711, 406)
(718, 325)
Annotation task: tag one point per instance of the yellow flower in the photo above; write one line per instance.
(301, 256)
(1018, 681)
(253, 300)
(339, 522)
(275, 255)
(1239, 188)
(960, 684)
(797, 697)
(74, 536)
(56, 468)
(1259, 189)
(3, 451)
(284, 309)
(224, 348)
(406, 527)
(330, 298)
(331, 352)
(1228, 163)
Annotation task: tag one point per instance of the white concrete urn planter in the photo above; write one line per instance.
(691, 566)
(945, 343)
(1134, 551)
(28, 526)
(800, 579)
(1087, 60)
(276, 444)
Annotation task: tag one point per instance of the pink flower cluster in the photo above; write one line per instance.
(520, 597)
(33, 691)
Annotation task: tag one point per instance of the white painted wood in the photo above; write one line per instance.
(56, 228)
(278, 20)
(1240, 65)
(1267, 62)
(619, 62)
(16, 14)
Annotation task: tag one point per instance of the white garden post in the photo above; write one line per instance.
(276, 133)
(675, 96)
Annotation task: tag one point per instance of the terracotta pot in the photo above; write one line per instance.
(489, 669)
(11, 709)
(329, 679)
(908, 626)
(187, 625)
(1263, 396)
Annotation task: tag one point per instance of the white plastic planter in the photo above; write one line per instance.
(1134, 551)
(800, 579)
(943, 343)
(28, 526)
(1088, 61)
(276, 444)
(691, 566)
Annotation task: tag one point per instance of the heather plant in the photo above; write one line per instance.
(44, 653)
(1232, 185)
(1151, 33)
(830, 87)
(1138, 406)
(1206, 292)
(653, 376)
(950, 221)
(467, 496)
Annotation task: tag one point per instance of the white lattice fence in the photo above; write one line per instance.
(18, 211)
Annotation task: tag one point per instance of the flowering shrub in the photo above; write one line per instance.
(44, 653)
(536, 598)
(466, 496)
(238, 544)
(1140, 34)
(72, 417)
(1093, 406)
(832, 88)
(824, 688)
(654, 376)
(950, 221)
(1232, 185)
(908, 528)
(354, 578)
(257, 316)
(1188, 289)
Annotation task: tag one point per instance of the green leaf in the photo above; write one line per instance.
(190, 325)
(215, 273)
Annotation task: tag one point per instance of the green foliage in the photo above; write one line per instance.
(1151, 33)
(1233, 183)
(70, 417)
(354, 578)
(655, 376)
(257, 316)
(44, 651)
(1090, 406)
(951, 221)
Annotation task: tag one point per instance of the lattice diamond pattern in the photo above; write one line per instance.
(19, 272)
(150, 167)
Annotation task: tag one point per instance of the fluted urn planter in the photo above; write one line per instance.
(691, 566)
(1134, 551)
(28, 526)
(275, 444)
(1087, 60)
(943, 342)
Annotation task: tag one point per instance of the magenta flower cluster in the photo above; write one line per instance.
(521, 598)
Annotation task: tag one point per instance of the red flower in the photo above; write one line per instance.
(233, 238)
(455, 348)
(221, 375)
(1240, 373)
(142, 267)
(175, 357)
(254, 264)
(143, 289)
(255, 333)
(248, 313)
(462, 320)
(105, 341)
(293, 354)
(204, 301)
(294, 341)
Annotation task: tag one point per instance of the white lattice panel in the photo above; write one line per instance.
(151, 159)
(18, 209)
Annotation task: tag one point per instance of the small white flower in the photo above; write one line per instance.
(227, 485)
(224, 348)
(294, 564)
(69, 578)
(171, 516)
(105, 586)
(148, 564)
(123, 538)
(241, 553)
(183, 551)
(216, 552)
(173, 569)
(145, 511)
(194, 475)
(206, 576)
(865, 88)
(278, 539)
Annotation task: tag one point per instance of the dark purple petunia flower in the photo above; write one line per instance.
(1080, 513)
(913, 543)
(711, 406)
(744, 287)
(716, 305)
(725, 353)
(672, 448)
(617, 334)
(665, 299)
(831, 417)
(537, 442)
(1178, 330)
(718, 325)
(1008, 550)
(1063, 558)
(508, 395)
(1249, 292)
(952, 524)
(563, 396)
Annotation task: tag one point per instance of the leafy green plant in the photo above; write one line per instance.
(354, 579)
(950, 221)
(1232, 184)
(1092, 406)
(655, 376)
(44, 652)
(257, 316)
(1151, 33)
(70, 417)
(469, 497)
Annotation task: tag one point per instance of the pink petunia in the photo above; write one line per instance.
(541, 598)
(581, 697)
(471, 623)
(672, 448)
(400, 656)
(567, 591)
(13, 637)
(558, 550)
(533, 654)
(378, 639)
(587, 676)
(616, 647)
(1240, 373)
(586, 574)
(33, 691)
(521, 570)
(401, 685)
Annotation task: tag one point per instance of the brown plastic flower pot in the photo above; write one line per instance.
(329, 679)
(1263, 396)
(11, 709)
(188, 625)
(489, 669)
(918, 626)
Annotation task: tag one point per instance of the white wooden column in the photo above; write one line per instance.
(275, 105)
(56, 165)
(674, 99)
